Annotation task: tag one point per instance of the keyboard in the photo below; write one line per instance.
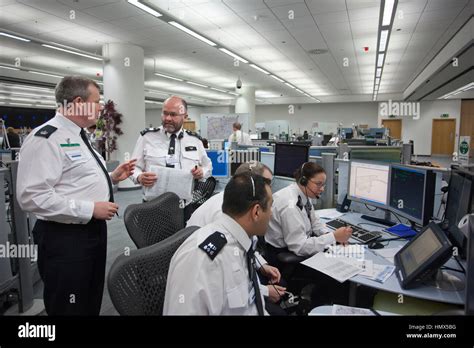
(358, 233)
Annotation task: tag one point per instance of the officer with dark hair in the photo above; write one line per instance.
(214, 270)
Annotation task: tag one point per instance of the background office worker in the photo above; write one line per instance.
(170, 146)
(239, 136)
(213, 271)
(63, 181)
(211, 211)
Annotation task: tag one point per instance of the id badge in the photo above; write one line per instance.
(171, 159)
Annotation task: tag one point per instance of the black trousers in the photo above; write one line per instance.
(71, 263)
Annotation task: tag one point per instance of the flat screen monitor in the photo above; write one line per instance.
(469, 307)
(368, 182)
(289, 157)
(412, 193)
(421, 257)
(460, 192)
(264, 135)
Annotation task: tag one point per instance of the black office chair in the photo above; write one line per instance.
(151, 222)
(203, 190)
(137, 283)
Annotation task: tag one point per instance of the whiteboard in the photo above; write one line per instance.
(219, 126)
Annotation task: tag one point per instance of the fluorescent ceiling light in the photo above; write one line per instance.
(8, 68)
(459, 90)
(72, 52)
(232, 54)
(42, 89)
(20, 104)
(192, 33)
(153, 102)
(375, 97)
(29, 94)
(383, 40)
(377, 80)
(378, 72)
(219, 90)
(144, 8)
(387, 12)
(14, 37)
(380, 60)
(289, 85)
(299, 90)
(259, 69)
(168, 77)
(45, 74)
(233, 93)
(196, 84)
(277, 78)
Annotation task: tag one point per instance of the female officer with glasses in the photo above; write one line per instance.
(294, 225)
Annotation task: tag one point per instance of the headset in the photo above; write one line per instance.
(304, 181)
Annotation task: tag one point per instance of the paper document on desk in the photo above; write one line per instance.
(345, 310)
(388, 253)
(339, 268)
(328, 214)
(171, 180)
(376, 272)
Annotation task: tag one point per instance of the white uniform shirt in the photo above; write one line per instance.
(210, 211)
(240, 137)
(198, 285)
(290, 226)
(58, 178)
(152, 149)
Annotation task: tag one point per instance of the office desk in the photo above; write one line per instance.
(391, 284)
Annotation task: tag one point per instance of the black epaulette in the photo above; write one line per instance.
(147, 130)
(299, 204)
(194, 134)
(46, 131)
(213, 244)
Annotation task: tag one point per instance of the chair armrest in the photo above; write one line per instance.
(289, 257)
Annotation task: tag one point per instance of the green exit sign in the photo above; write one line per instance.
(445, 115)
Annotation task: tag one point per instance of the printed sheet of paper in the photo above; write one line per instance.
(388, 253)
(338, 268)
(345, 310)
(171, 180)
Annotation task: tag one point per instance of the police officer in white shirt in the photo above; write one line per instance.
(211, 211)
(170, 146)
(294, 225)
(64, 182)
(214, 271)
(239, 136)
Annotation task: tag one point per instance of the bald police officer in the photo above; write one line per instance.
(64, 182)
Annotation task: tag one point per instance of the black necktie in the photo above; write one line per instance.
(308, 207)
(253, 278)
(171, 149)
(99, 162)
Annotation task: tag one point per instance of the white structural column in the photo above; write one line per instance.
(245, 104)
(124, 79)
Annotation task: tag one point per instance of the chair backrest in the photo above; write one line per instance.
(137, 283)
(151, 222)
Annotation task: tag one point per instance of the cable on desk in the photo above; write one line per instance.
(369, 208)
(453, 269)
(460, 264)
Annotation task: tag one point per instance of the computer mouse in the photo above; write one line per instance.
(375, 245)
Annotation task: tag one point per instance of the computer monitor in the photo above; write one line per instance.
(368, 183)
(459, 204)
(348, 133)
(469, 306)
(412, 193)
(264, 135)
(422, 257)
(289, 157)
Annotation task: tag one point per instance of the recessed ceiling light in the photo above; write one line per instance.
(277, 78)
(14, 37)
(289, 85)
(378, 72)
(196, 84)
(232, 54)
(383, 40)
(8, 68)
(192, 33)
(169, 77)
(45, 74)
(144, 8)
(72, 52)
(259, 69)
(380, 60)
(387, 12)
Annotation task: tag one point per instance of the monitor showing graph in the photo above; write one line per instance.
(368, 183)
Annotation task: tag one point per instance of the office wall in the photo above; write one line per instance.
(420, 130)
(305, 114)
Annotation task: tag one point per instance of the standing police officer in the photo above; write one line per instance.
(64, 182)
(170, 146)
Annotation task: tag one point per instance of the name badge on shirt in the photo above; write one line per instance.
(74, 155)
(171, 159)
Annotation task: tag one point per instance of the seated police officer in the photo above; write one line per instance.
(214, 271)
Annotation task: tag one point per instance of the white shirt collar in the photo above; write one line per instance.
(168, 134)
(67, 123)
(236, 230)
(300, 193)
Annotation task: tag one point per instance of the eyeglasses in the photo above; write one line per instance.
(172, 114)
(319, 184)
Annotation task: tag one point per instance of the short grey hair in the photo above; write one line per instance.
(253, 167)
(71, 87)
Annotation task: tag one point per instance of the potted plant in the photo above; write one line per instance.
(108, 128)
